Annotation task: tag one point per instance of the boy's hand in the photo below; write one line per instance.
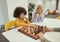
(47, 30)
(41, 35)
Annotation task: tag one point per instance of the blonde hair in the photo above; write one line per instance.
(38, 7)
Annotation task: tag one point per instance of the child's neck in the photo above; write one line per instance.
(38, 13)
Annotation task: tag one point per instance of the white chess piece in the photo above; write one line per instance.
(29, 30)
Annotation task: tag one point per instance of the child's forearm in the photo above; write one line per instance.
(44, 40)
(57, 29)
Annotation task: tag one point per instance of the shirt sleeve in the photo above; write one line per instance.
(9, 24)
(20, 23)
(57, 29)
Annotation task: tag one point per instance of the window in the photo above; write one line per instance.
(59, 7)
(49, 4)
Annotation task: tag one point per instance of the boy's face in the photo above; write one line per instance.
(22, 16)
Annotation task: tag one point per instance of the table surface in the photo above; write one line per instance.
(53, 23)
(15, 36)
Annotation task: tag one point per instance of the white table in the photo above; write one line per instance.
(15, 36)
(53, 23)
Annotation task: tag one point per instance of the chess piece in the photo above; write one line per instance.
(25, 29)
(45, 26)
(40, 28)
(29, 30)
(22, 29)
(35, 31)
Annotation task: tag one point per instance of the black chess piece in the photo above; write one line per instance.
(40, 28)
(35, 31)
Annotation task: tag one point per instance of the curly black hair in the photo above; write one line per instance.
(18, 11)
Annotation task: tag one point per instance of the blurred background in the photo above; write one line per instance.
(51, 8)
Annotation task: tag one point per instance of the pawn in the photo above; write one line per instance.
(45, 26)
(25, 30)
(22, 29)
(41, 28)
(33, 31)
(29, 30)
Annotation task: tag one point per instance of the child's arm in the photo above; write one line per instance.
(53, 29)
(42, 38)
(57, 29)
(42, 17)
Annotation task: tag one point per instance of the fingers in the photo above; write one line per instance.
(41, 35)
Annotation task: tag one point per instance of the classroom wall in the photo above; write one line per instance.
(3, 12)
(59, 7)
(7, 8)
(12, 4)
(37, 2)
(1, 17)
(47, 4)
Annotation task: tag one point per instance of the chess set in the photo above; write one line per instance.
(31, 32)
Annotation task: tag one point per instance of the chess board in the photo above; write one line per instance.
(31, 32)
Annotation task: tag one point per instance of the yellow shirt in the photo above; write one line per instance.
(19, 22)
(16, 23)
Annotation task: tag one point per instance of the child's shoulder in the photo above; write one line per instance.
(11, 21)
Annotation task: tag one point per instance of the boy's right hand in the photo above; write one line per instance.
(41, 35)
